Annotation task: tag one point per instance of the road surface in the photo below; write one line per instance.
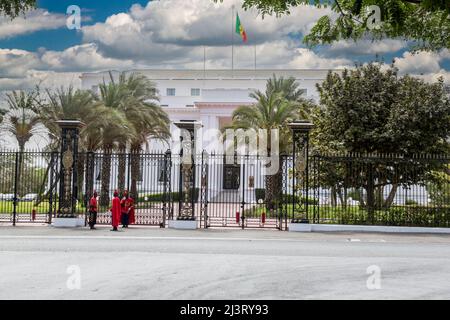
(39, 262)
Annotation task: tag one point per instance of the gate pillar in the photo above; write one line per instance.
(300, 170)
(68, 193)
(187, 176)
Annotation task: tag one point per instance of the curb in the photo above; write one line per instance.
(298, 227)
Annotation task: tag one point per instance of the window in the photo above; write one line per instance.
(189, 106)
(195, 92)
(171, 91)
(231, 176)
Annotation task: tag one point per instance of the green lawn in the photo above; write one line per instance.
(27, 207)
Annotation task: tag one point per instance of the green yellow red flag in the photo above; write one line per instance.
(240, 29)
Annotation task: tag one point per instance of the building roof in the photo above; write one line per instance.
(218, 74)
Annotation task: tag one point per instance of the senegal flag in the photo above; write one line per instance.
(240, 29)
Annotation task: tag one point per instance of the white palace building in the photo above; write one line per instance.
(210, 96)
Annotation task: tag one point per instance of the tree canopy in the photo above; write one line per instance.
(426, 22)
(13, 8)
(369, 110)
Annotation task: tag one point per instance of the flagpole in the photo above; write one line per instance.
(232, 40)
(255, 57)
(204, 66)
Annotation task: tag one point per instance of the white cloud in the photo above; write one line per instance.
(171, 29)
(419, 63)
(15, 63)
(365, 47)
(82, 58)
(35, 20)
(173, 33)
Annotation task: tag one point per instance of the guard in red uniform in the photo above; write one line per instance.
(132, 218)
(93, 209)
(127, 204)
(115, 211)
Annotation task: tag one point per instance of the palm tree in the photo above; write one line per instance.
(78, 105)
(112, 97)
(288, 88)
(22, 122)
(275, 108)
(134, 96)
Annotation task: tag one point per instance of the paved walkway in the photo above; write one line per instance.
(150, 263)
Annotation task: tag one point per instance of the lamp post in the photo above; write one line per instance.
(187, 175)
(300, 169)
(68, 190)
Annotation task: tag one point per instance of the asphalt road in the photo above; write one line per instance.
(144, 263)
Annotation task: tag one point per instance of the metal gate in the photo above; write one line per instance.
(28, 184)
(147, 177)
(232, 193)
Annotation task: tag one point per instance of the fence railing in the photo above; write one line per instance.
(381, 189)
(339, 189)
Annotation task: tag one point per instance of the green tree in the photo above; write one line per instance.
(22, 122)
(424, 21)
(133, 97)
(368, 110)
(13, 8)
(275, 108)
(71, 104)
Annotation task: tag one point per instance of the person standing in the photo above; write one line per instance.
(115, 211)
(93, 209)
(131, 215)
(126, 204)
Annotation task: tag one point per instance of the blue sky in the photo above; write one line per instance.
(62, 38)
(127, 34)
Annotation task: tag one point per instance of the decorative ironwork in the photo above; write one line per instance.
(204, 188)
(68, 190)
(186, 210)
(300, 170)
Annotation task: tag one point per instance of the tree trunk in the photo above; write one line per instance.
(20, 188)
(122, 167)
(80, 175)
(135, 170)
(341, 198)
(391, 197)
(333, 196)
(90, 174)
(106, 178)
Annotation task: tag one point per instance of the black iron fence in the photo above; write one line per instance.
(236, 191)
(28, 185)
(388, 190)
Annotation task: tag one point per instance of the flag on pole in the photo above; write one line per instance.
(240, 29)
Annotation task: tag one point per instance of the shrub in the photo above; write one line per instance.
(159, 197)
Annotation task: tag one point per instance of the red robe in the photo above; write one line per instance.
(116, 212)
(93, 204)
(127, 205)
(131, 212)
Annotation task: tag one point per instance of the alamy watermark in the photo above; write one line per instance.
(73, 21)
(74, 280)
(231, 143)
(374, 280)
